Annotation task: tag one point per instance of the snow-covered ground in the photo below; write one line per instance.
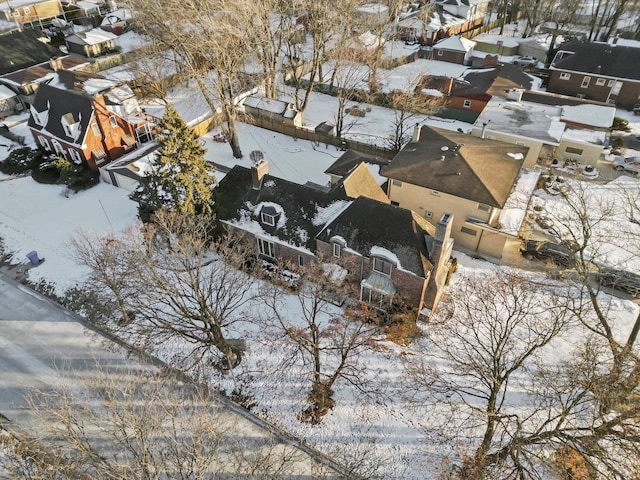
(379, 420)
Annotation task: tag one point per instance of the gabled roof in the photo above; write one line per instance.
(91, 37)
(368, 225)
(42, 71)
(301, 210)
(494, 81)
(350, 159)
(23, 49)
(599, 59)
(62, 103)
(456, 43)
(459, 164)
(359, 182)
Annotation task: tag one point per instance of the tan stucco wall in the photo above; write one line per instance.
(422, 200)
(535, 146)
(590, 153)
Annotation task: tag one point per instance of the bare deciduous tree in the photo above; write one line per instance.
(490, 333)
(210, 48)
(170, 281)
(137, 425)
(326, 342)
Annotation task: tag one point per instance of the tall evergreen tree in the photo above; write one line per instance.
(180, 178)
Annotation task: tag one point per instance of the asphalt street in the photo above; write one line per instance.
(42, 347)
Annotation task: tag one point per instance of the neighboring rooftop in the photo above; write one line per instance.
(599, 59)
(23, 49)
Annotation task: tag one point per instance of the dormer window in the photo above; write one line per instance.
(338, 243)
(71, 126)
(382, 266)
(39, 118)
(268, 219)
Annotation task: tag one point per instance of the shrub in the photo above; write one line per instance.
(21, 160)
(61, 171)
(621, 124)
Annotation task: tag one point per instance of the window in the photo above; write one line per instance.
(266, 248)
(483, 208)
(75, 156)
(268, 219)
(468, 231)
(467, 104)
(585, 82)
(397, 204)
(428, 214)
(574, 151)
(300, 261)
(565, 76)
(26, 10)
(520, 143)
(611, 83)
(440, 53)
(43, 141)
(95, 129)
(396, 183)
(15, 13)
(113, 121)
(435, 193)
(337, 250)
(382, 266)
(600, 82)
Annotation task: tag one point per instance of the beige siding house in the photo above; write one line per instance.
(443, 172)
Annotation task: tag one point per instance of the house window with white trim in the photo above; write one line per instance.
(483, 208)
(382, 266)
(300, 261)
(440, 53)
(75, 156)
(396, 183)
(468, 231)
(268, 219)
(467, 104)
(428, 214)
(337, 250)
(600, 82)
(611, 83)
(113, 121)
(58, 148)
(585, 82)
(95, 129)
(44, 142)
(266, 248)
(26, 10)
(565, 76)
(435, 193)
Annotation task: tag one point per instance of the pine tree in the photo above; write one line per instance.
(180, 178)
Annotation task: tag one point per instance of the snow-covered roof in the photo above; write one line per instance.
(515, 209)
(523, 119)
(600, 116)
(456, 43)
(92, 37)
(6, 92)
(506, 40)
(594, 137)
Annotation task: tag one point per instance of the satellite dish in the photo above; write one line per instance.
(256, 156)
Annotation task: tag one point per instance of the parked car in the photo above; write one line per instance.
(627, 165)
(620, 280)
(525, 61)
(636, 109)
(541, 250)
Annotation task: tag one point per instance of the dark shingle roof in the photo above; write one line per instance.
(367, 223)
(496, 81)
(300, 204)
(601, 59)
(23, 49)
(350, 160)
(462, 165)
(59, 103)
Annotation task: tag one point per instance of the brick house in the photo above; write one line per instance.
(297, 224)
(87, 119)
(605, 72)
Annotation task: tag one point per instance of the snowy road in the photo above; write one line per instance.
(42, 347)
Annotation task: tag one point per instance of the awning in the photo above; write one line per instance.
(98, 154)
(128, 140)
(380, 283)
